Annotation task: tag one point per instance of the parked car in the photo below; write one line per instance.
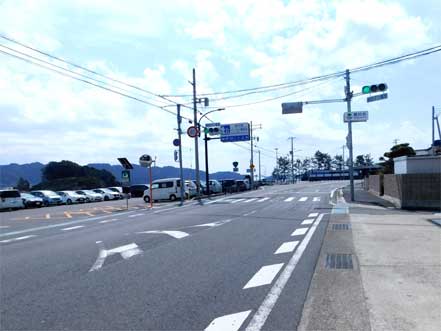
(49, 197)
(107, 194)
(203, 186)
(70, 197)
(228, 185)
(164, 189)
(215, 186)
(91, 196)
(191, 188)
(10, 199)
(30, 200)
(137, 191)
(118, 190)
(241, 185)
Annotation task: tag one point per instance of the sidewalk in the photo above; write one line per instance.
(395, 282)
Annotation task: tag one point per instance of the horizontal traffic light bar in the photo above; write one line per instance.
(374, 88)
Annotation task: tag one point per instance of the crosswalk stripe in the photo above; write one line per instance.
(289, 199)
(250, 200)
(299, 232)
(303, 199)
(236, 201)
(316, 199)
(263, 199)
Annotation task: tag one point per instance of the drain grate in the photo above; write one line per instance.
(339, 261)
(341, 226)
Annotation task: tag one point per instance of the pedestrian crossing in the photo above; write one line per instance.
(233, 200)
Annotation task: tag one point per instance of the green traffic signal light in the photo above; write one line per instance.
(366, 90)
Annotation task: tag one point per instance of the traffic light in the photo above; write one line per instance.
(374, 88)
(214, 131)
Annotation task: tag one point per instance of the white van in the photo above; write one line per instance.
(10, 199)
(165, 189)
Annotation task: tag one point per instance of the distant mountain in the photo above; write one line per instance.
(9, 174)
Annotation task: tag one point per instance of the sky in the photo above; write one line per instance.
(233, 45)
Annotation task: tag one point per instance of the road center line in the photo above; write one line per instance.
(273, 295)
(17, 239)
(108, 221)
(264, 276)
(136, 215)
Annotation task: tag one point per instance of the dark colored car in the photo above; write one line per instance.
(137, 191)
(241, 185)
(229, 185)
(30, 200)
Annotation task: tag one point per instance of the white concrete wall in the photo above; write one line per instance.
(417, 165)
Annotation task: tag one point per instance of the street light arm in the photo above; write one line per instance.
(211, 111)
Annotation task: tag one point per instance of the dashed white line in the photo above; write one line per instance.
(174, 234)
(271, 298)
(303, 199)
(108, 221)
(4, 226)
(287, 247)
(136, 215)
(250, 213)
(230, 322)
(238, 200)
(250, 200)
(73, 228)
(289, 199)
(16, 239)
(213, 225)
(313, 215)
(316, 199)
(299, 232)
(307, 221)
(264, 276)
(263, 199)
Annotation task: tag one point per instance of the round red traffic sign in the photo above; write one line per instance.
(192, 131)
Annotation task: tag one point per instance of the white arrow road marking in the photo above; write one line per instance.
(17, 239)
(271, 298)
(287, 247)
(263, 199)
(289, 199)
(316, 199)
(228, 322)
(313, 215)
(299, 232)
(174, 234)
(264, 276)
(237, 200)
(126, 252)
(308, 221)
(73, 228)
(303, 199)
(250, 200)
(214, 224)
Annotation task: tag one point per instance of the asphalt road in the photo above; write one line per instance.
(240, 262)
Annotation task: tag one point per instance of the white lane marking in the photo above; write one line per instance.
(48, 216)
(313, 215)
(98, 242)
(299, 232)
(126, 251)
(73, 228)
(107, 221)
(271, 298)
(307, 221)
(4, 226)
(236, 201)
(303, 199)
(264, 276)
(214, 224)
(250, 200)
(230, 322)
(174, 234)
(250, 213)
(17, 239)
(27, 217)
(316, 199)
(289, 199)
(287, 247)
(136, 215)
(263, 199)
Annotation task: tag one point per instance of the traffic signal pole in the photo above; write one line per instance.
(196, 145)
(252, 156)
(181, 174)
(207, 176)
(351, 163)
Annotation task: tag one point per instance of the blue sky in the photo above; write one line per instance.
(232, 45)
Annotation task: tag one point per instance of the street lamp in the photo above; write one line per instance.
(207, 183)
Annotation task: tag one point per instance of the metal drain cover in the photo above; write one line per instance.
(341, 226)
(339, 261)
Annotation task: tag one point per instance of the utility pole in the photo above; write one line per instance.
(433, 125)
(252, 156)
(292, 158)
(181, 174)
(344, 161)
(196, 143)
(351, 162)
(260, 177)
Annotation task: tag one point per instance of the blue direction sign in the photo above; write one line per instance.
(235, 132)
